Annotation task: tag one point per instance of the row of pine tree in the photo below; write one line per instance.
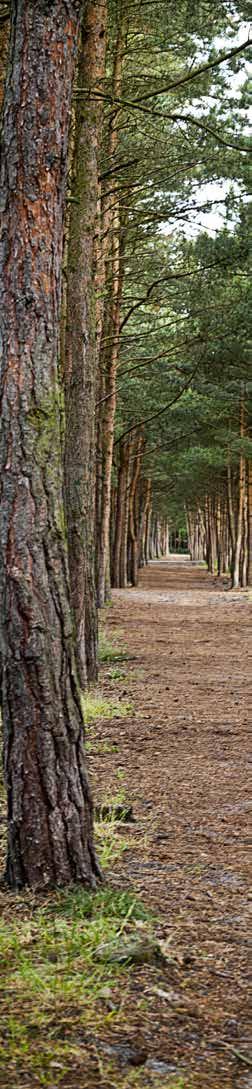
(125, 381)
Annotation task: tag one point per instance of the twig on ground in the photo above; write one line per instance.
(238, 1054)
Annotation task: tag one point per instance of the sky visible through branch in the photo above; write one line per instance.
(216, 192)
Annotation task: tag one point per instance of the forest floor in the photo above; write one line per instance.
(182, 759)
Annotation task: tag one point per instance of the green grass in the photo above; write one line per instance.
(136, 1079)
(117, 674)
(96, 706)
(109, 650)
(54, 985)
(55, 991)
(101, 748)
(109, 846)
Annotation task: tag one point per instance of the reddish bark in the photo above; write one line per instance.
(134, 526)
(119, 565)
(109, 325)
(250, 523)
(49, 806)
(80, 343)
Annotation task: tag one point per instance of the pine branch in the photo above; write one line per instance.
(198, 71)
(124, 103)
(148, 419)
(162, 280)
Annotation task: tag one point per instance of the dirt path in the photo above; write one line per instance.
(184, 758)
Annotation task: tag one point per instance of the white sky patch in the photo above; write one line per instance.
(214, 192)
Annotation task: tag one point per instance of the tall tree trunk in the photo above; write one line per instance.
(112, 244)
(222, 534)
(218, 525)
(49, 805)
(125, 525)
(240, 512)
(231, 514)
(121, 498)
(211, 536)
(244, 563)
(134, 514)
(80, 343)
(250, 523)
(147, 543)
(189, 522)
(145, 502)
(108, 422)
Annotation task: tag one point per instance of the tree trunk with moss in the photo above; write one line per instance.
(50, 837)
(80, 342)
(113, 249)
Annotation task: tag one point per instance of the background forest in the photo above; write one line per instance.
(129, 415)
(126, 433)
(172, 408)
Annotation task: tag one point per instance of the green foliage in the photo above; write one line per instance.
(200, 374)
(185, 304)
(50, 964)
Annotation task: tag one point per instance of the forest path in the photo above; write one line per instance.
(184, 759)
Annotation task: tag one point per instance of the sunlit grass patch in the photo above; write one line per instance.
(52, 972)
(96, 706)
(109, 846)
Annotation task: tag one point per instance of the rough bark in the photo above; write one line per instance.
(110, 339)
(134, 526)
(220, 524)
(108, 422)
(147, 543)
(145, 505)
(4, 47)
(244, 561)
(231, 513)
(50, 836)
(118, 567)
(250, 523)
(80, 343)
(240, 511)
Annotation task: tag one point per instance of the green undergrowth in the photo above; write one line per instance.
(110, 846)
(96, 706)
(117, 674)
(51, 969)
(56, 995)
(62, 996)
(109, 650)
(136, 1079)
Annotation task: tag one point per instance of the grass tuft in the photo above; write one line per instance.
(56, 988)
(109, 651)
(96, 706)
